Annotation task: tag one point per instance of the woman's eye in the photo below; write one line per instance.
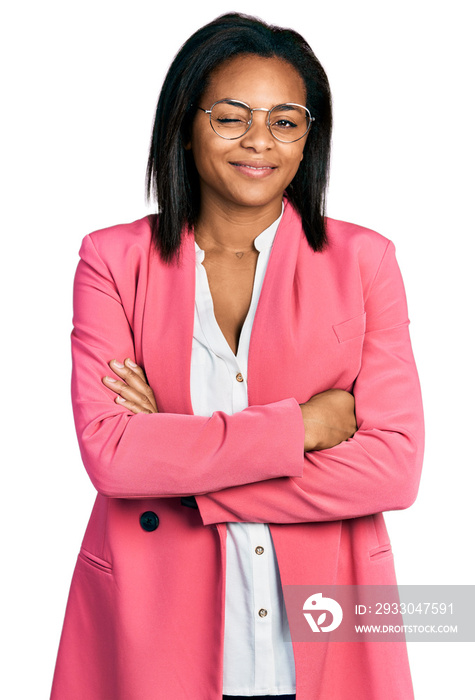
(284, 124)
(230, 120)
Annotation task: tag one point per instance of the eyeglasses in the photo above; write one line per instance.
(231, 119)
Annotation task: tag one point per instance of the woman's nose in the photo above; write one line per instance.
(259, 136)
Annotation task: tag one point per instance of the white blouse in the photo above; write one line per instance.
(258, 657)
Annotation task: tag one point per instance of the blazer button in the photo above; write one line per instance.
(149, 521)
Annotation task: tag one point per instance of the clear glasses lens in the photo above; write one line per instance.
(289, 122)
(232, 119)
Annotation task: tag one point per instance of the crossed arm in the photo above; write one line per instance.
(328, 417)
(307, 468)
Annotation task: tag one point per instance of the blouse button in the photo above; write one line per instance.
(239, 377)
(262, 612)
(259, 550)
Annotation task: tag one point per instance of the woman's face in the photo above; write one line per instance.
(255, 169)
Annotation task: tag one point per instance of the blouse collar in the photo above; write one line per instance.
(263, 241)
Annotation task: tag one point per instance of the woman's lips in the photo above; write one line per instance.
(254, 169)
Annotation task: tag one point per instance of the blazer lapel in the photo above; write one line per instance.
(168, 328)
(274, 341)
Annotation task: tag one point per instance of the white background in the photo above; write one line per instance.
(79, 93)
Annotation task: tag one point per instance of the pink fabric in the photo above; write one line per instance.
(145, 612)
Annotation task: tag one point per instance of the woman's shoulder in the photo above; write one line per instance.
(354, 237)
(355, 245)
(115, 243)
(363, 254)
(345, 240)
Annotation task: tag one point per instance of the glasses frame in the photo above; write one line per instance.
(258, 109)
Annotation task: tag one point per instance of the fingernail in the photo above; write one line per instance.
(120, 399)
(110, 379)
(117, 364)
(129, 362)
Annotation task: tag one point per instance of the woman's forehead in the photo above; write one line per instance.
(249, 78)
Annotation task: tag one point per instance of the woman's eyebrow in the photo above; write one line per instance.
(285, 106)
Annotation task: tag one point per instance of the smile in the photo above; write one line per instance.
(254, 170)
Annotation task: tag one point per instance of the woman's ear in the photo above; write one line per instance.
(186, 139)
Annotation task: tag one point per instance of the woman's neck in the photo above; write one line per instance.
(233, 229)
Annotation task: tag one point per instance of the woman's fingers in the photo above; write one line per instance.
(133, 391)
(134, 368)
(128, 397)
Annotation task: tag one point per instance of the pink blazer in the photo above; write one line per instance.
(145, 613)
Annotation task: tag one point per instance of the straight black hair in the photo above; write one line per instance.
(172, 179)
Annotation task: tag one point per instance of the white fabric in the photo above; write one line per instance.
(258, 657)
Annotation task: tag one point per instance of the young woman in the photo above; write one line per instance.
(245, 398)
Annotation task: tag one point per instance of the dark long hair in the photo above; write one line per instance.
(172, 179)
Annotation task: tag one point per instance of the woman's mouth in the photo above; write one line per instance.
(255, 169)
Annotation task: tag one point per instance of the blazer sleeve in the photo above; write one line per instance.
(131, 455)
(376, 470)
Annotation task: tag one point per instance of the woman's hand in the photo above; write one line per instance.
(133, 391)
(329, 418)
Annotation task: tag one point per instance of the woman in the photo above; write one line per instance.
(226, 461)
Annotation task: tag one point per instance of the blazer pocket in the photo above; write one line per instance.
(95, 562)
(352, 328)
(381, 552)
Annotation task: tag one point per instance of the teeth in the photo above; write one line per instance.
(252, 167)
